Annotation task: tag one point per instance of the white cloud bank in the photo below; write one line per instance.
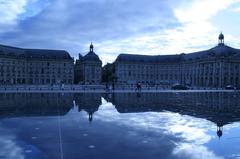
(11, 9)
(121, 26)
(9, 148)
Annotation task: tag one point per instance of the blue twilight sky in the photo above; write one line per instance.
(119, 26)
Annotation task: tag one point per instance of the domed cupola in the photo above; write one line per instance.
(221, 39)
(91, 56)
(219, 130)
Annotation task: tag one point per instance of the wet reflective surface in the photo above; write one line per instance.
(121, 125)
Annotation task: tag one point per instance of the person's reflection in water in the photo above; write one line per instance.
(90, 117)
(138, 95)
(219, 130)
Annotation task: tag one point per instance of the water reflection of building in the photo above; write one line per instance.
(34, 104)
(220, 108)
(88, 102)
(47, 104)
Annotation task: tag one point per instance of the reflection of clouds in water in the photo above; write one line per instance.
(9, 149)
(231, 126)
(192, 131)
(188, 128)
(235, 156)
(191, 151)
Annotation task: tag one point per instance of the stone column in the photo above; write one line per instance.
(238, 74)
(198, 74)
(203, 75)
(213, 74)
(221, 74)
(229, 73)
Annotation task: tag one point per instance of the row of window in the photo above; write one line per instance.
(23, 63)
(146, 66)
(35, 81)
(176, 67)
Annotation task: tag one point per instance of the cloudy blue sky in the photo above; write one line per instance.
(119, 26)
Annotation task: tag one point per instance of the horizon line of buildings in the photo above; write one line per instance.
(216, 67)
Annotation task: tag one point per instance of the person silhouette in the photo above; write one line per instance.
(139, 86)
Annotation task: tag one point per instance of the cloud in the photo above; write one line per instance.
(201, 10)
(72, 25)
(183, 127)
(33, 8)
(188, 134)
(9, 148)
(237, 10)
(197, 30)
(191, 151)
(139, 27)
(194, 32)
(10, 10)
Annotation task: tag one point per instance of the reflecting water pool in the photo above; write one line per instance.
(199, 125)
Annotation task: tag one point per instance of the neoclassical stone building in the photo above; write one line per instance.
(88, 68)
(216, 67)
(35, 66)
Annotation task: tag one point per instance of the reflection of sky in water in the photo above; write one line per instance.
(8, 146)
(191, 132)
(116, 135)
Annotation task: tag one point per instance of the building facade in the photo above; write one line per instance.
(35, 66)
(216, 67)
(88, 68)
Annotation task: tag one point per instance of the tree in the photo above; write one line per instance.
(108, 74)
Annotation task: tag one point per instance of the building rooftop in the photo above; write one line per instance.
(34, 53)
(90, 56)
(147, 58)
(217, 51)
(221, 50)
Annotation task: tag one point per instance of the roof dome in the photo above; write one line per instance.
(91, 56)
(223, 50)
(221, 36)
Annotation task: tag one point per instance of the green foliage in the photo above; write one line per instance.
(108, 73)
